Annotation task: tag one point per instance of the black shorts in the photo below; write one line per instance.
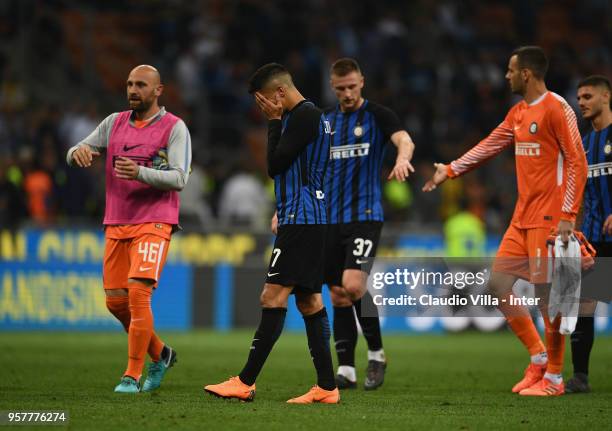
(297, 257)
(597, 283)
(350, 246)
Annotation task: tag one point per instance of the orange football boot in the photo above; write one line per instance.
(533, 374)
(317, 395)
(544, 388)
(232, 388)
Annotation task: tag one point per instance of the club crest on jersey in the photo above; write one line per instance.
(607, 148)
(533, 128)
(527, 149)
(358, 131)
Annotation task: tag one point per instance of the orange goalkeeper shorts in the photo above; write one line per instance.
(134, 251)
(525, 254)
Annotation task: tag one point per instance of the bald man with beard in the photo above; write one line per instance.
(148, 155)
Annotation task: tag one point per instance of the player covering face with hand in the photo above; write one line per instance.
(551, 173)
(360, 131)
(297, 155)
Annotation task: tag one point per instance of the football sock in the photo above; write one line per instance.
(555, 344)
(367, 313)
(378, 355)
(317, 330)
(270, 328)
(348, 372)
(582, 342)
(165, 353)
(119, 307)
(539, 358)
(522, 325)
(141, 328)
(156, 347)
(345, 335)
(555, 378)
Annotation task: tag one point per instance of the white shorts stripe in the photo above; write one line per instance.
(159, 258)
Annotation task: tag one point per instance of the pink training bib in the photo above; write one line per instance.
(131, 201)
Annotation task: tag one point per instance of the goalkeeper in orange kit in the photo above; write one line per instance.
(551, 173)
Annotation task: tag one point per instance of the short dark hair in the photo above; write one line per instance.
(595, 81)
(532, 58)
(265, 74)
(344, 66)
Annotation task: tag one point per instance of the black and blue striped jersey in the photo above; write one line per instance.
(353, 177)
(298, 154)
(598, 193)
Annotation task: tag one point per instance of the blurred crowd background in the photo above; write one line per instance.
(439, 64)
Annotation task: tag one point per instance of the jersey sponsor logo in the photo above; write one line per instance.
(131, 147)
(533, 128)
(531, 149)
(600, 170)
(350, 151)
(272, 274)
(144, 268)
(361, 261)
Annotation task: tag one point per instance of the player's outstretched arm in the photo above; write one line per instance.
(498, 140)
(438, 177)
(405, 150)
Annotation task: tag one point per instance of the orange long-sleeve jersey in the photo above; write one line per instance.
(551, 166)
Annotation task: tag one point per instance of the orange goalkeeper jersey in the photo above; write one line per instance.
(551, 166)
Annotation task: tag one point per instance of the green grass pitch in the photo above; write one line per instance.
(455, 381)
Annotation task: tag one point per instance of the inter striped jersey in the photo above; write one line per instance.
(353, 178)
(298, 153)
(598, 193)
(550, 162)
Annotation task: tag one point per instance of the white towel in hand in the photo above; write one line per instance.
(565, 289)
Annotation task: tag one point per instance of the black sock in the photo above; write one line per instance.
(345, 335)
(270, 328)
(165, 353)
(317, 330)
(582, 342)
(369, 325)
